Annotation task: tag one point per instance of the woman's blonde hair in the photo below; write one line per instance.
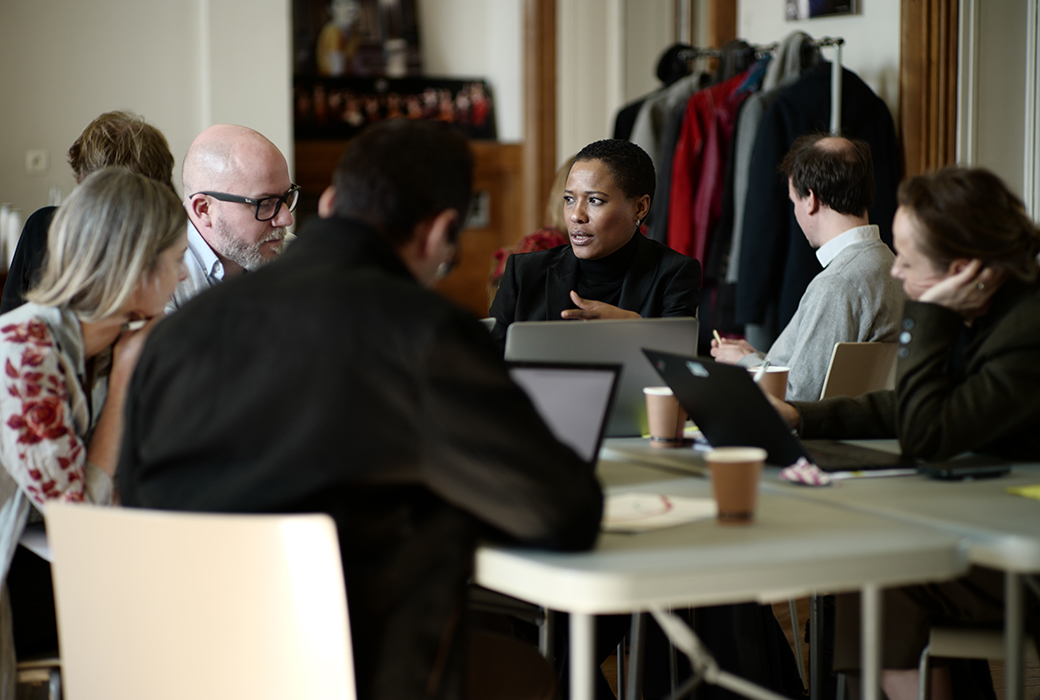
(103, 241)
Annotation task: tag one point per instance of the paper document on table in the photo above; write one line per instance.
(641, 512)
(1032, 491)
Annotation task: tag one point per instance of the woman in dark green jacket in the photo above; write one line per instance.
(968, 379)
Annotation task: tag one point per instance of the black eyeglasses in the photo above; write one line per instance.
(266, 208)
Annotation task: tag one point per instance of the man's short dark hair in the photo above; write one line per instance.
(398, 173)
(629, 165)
(840, 172)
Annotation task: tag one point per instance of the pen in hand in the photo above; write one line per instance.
(761, 370)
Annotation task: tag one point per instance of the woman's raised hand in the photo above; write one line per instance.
(588, 309)
(968, 292)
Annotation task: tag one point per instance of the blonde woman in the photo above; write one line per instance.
(115, 254)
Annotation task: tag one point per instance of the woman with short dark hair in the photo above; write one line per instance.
(609, 270)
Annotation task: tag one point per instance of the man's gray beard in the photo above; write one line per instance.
(240, 252)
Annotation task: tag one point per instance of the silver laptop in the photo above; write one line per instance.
(573, 399)
(611, 342)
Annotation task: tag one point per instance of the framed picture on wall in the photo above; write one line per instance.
(334, 38)
(338, 108)
(808, 9)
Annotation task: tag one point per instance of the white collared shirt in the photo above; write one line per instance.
(204, 270)
(829, 250)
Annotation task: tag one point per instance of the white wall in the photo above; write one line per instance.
(606, 56)
(67, 62)
(1000, 91)
(871, 39)
(483, 39)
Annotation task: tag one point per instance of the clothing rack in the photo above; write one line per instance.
(837, 42)
(695, 52)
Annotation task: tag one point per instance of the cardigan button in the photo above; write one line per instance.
(905, 337)
(908, 323)
(903, 353)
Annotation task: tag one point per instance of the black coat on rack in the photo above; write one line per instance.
(776, 262)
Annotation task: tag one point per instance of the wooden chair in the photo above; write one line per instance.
(966, 643)
(168, 605)
(857, 368)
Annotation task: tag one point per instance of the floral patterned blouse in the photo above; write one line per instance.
(46, 419)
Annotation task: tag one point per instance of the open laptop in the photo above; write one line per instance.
(573, 399)
(857, 368)
(731, 410)
(612, 342)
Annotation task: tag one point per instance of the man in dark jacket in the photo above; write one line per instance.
(333, 380)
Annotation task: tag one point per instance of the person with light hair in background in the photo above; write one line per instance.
(115, 254)
(240, 201)
(114, 138)
(552, 234)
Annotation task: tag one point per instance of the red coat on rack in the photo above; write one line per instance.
(699, 166)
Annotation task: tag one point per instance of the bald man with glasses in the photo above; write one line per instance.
(240, 201)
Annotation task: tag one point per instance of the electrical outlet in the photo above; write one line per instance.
(36, 161)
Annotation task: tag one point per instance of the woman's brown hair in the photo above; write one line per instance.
(970, 213)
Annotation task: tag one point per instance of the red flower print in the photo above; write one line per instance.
(43, 419)
(33, 356)
(31, 331)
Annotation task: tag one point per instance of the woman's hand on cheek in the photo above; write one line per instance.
(588, 309)
(968, 292)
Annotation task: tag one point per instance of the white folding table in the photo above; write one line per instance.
(795, 547)
(1000, 530)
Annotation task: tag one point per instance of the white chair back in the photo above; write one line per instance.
(168, 605)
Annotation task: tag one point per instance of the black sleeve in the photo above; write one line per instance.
(503, 308)
(486, 449)
(27, 260)
(682, 292)
(869, 416)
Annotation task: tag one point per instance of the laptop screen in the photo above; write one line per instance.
(617, 342)
(573, 400)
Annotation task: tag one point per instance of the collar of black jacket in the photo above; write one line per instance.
(350, 237)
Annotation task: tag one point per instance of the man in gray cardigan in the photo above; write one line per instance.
(854, 298)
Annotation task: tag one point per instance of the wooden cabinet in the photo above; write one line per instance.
(497, 184)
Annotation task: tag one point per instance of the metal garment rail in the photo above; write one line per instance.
(836, 67)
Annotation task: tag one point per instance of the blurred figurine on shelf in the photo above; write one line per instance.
(339, 39)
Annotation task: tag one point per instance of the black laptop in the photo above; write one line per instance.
(731, 410)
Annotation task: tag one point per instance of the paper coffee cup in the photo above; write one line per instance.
(735, 472)
(773, 381)
(665, 416)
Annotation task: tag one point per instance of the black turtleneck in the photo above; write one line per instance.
(600, 280)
